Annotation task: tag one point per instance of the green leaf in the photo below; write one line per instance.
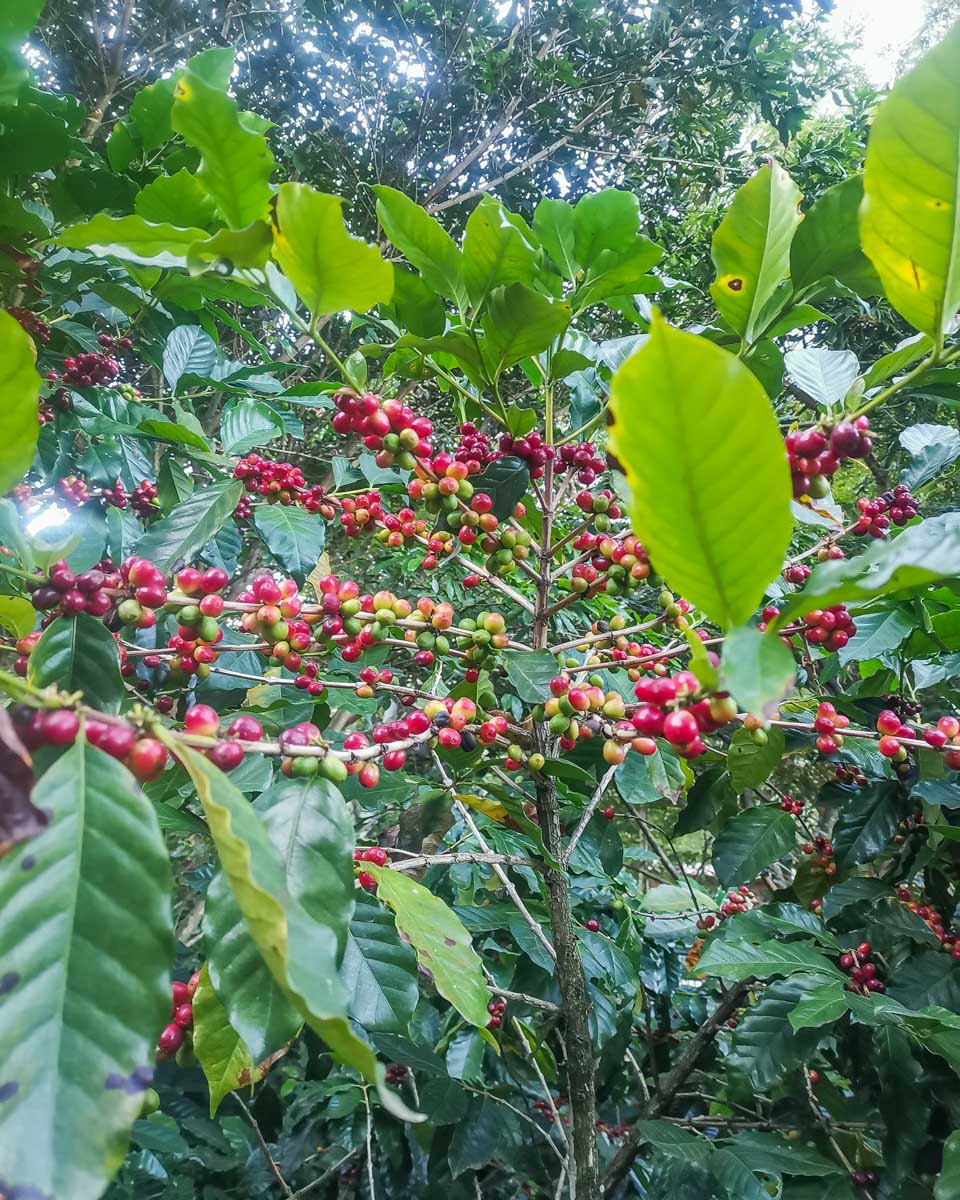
(757, 669)
(617, 274)
(699, 442)
(649, 778)
(827, 244)
(947, 1186)
(878, 633)
(150, 110)
(86, 944)
(765, 1044)
(751, 841)
(79, 654)
(824, 375)
(173, 484)
(16, 22)
(299, 950)
(530, 673)
(607, 220)
(751, 250)
(220, 1050)
(553, 224)
(229, 249)
(32, 140)
(186, 529)
(188, 350)
(867, 822)
(505, 481)
(17, 615)
(417, 306)
(330, 269)
(236, 162)
(911, 191)
(495, 252)
(742, 960)
(748, 763)
(175, 200)
(170, 431)
(443, 946)
(247, 423)
(423, 241)
(293, 536)
(131, 239)
(823, 1006)
(518, 323)
(931, 448)
(19, 390)
(772, 1154)
(378, 971)
(919, 555)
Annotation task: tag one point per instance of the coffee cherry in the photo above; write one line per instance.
(593, 925)
(202, 720)
(147, 759)
(170, 1040)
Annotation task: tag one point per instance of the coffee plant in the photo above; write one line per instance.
(551, 797)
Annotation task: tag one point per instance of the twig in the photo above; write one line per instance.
(532, 1059)
(588, 813)
(371, 1177)
(449, 860)
(322, 1179)
(523, 998)
(278, 1176)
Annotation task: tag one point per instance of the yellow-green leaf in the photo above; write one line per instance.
(19, 389)
(236, 161)
(443, 946)
(220, 1050)
(299, 952)
(751, 250)
(330, 269)
(910, 216)
(132, 239)
(704, 458)
(17, 615)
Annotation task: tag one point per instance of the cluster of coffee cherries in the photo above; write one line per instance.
(178, 1030)
(388, 427)
(90, 370)
(815, 454)
(531, 449)
(198, 630)
(64, 592)
(949, 939)
(372, 854)
(850, 774)
(582, 458)
(496, 1009)
(616, 566)
(892, 730)
(143, 498)
(276, 620)
(278, 483)
(73, 490)
(821, 852)
(830, 628)
(109, 342)
(144, 756)
(896, 507)
(474, 448)
(864, 1179)
(36, 326)
(360, 513)
(201, 720)
(737, 900)
(862, 971)
(602, 506)
(789, 805)
(674, 707)
(829, 725)
(401, 527)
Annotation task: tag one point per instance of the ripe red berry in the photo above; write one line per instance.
(202, 720)
(184, 1015)
(593, 925)
(60, 728)
(610, 812)
(147, 759)
(170, 1040)
(180, 993)
(226, 755)
(680, 727)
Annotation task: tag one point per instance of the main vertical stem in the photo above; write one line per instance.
(581, 1068)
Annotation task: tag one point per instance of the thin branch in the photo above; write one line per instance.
(261, 1141)
(588, 812)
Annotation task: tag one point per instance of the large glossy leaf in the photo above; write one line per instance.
(878, 633)
(248, 423)
(911, 185)
(751, 250)
(293, 536)
(330, 269)
(772, 1154)
(132, 239)
(236, 162)
(866, 824)
(19, 389)
(823, 375)
(742, 960)
(947, 1186)
(443, 946)
(186, 529)
(751, 841)
(424, 242)
(620, 273)
(16, 23)
(748, 763)
(765, 1044)
(378, 971)
(220, 1050)
(919, 555)
(299, 950)
(699, 442)
(554, 225)
(505, 481)
(495, 252)
(757, 669)
(86, 944)
(607, 220)
(79, 654)
(176, 200)
(824, 1005)
(530, 673)
(931, 448)
(187, 350)
(519, 322)
(827, 244)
